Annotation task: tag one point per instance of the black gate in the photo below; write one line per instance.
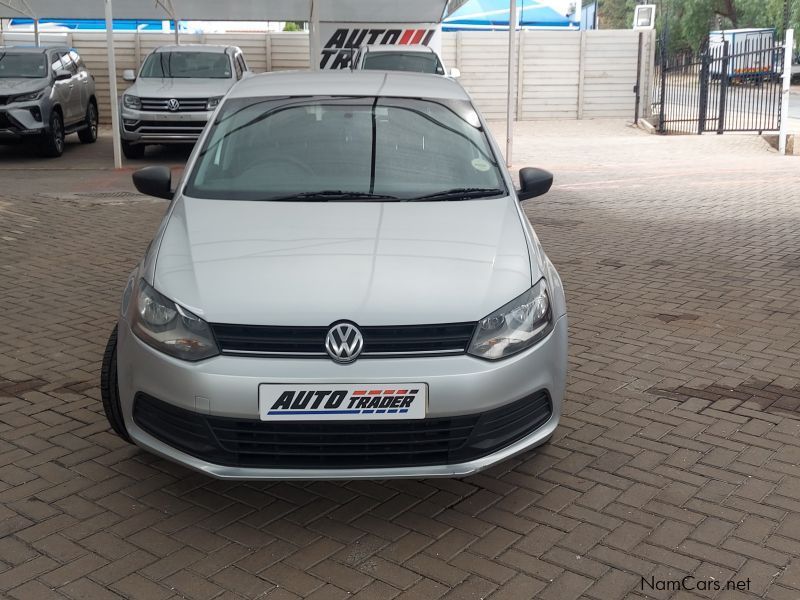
(725, 87)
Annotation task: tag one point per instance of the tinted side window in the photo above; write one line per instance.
(55, 62)
(237, 64)
(67, 63)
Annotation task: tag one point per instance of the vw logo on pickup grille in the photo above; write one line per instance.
(173, 104)
(344, 342)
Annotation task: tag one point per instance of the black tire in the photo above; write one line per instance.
(88, 135)
(53, 143)
(133, 150)
(109, 390)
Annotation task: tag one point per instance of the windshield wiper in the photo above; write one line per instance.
(334, 195)
(459, 194)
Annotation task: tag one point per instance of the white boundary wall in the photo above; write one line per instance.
(562, 74)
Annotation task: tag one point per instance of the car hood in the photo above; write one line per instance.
(374, 263)
(21, 85)
(180, 88)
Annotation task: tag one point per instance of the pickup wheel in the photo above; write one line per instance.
(132, 150)
(53, 143)
(88, 135)
(109, 389)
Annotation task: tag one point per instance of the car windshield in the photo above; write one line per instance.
(417, 62)
(185, 65)
(27, 66)
(339, 148)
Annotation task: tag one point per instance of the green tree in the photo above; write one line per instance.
(689, 21)
(616, 14)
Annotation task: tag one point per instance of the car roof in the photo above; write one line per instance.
(398, 48)
(349, 83)
(31, 49)
(192, 48)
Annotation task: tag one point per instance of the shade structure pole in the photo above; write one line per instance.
(112, 86)
(786, 90)
(512, 72)
(314, 44)
(36, 32)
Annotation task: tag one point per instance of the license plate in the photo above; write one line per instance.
(342, 402)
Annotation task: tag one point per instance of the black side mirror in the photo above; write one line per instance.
(533, 182)
(154, 181)
(62, 75)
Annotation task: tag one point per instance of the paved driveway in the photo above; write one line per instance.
(678, 453)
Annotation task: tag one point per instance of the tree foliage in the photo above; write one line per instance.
(689, 21)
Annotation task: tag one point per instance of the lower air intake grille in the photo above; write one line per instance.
(341, 444)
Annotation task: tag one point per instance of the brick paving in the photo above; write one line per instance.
(677, 455)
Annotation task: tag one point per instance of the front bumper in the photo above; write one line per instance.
(227, 386)
(20, 122)
(156, 127)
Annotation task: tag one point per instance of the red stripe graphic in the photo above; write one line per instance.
(406, 37)
(359, 393)
(418, 36)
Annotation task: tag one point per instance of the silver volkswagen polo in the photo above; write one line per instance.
(344, 286)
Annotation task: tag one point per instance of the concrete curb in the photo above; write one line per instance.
(647, 126)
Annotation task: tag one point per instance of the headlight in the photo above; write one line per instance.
(170, 328)
(514, 327)
(130, 101)
(27, 97)
(213, 102)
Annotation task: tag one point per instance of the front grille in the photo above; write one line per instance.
(379, 342)
(341, 444)
(168, 127)
(185, 104)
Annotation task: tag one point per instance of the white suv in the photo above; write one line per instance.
(177, 89)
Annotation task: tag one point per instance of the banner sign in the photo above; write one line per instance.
(339, 41)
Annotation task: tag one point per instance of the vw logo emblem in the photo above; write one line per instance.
(173, 104)
(344, 342)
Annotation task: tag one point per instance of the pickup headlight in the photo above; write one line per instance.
(516, 326)
(130, 101)
(29, 97)
(213, 102)
(170, 328)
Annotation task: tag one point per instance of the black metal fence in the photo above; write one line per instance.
(725, 87)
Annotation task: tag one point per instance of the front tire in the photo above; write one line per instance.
(88, 135)
(109, 388)
(133, 151)
(53, 143)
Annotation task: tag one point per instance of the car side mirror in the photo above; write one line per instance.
(62, 75)
(533, 182)
(154, 181)
(129, 75)
(455, 73)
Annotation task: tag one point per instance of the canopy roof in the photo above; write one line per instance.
(494, 14)
(353, 11)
